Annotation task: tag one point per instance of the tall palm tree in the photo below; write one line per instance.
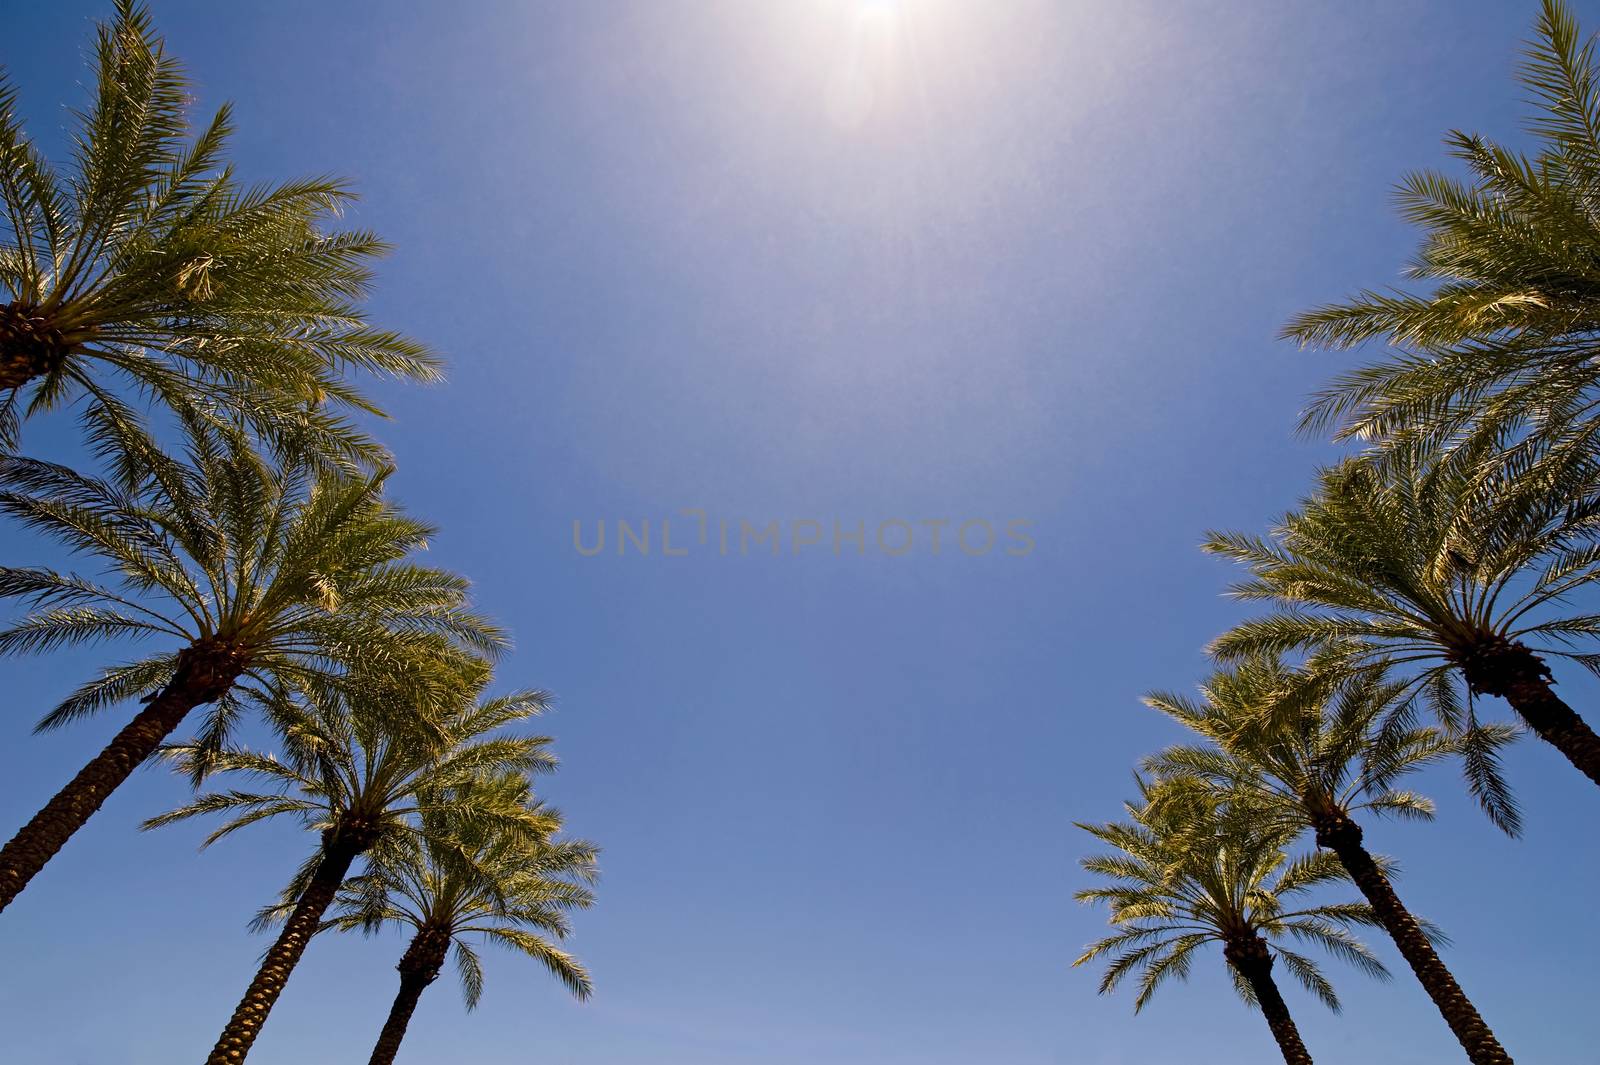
(1187, 873)
(451, 884)
(1430, 562)
(148, 262)
(355, 772)
(1303, 754)
(261, 576)
(1501, 338)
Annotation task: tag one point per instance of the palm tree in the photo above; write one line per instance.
(1191, 872)
(452, 883)
(264, 576)
(1502, 341)
(1302, 753)
(148, 261)
(1433, 560)
(357, 772)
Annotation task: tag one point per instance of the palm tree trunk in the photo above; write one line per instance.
(1250, 957)
(418, 967)
(1498, 666)
(339, 851)
(206, 670)
(1343, 836)
(1557, 724)
(394, 1029)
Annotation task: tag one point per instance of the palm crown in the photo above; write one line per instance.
(1430, 562)
(267, 575)
(1185, 874)
(452, 883)
(362, 757)
(150, 262)
(1504, 340)
(1301, 749)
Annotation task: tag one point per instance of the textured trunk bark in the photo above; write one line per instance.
(1343, 836)
(205, 672)
(394, 1029)
(418, 968)
(1497, 666)
(1250, 957)
(339, 851)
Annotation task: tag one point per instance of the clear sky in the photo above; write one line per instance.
(846, 262)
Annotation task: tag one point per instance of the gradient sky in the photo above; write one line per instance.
(783, 260)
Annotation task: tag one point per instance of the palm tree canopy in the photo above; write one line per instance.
(1504, 339)
(469, 882)
(363, 756)
(1300, 747)
(147, 261)
(1183, 874)
(1431, 560)
(292, 573)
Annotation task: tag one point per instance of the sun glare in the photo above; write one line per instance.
(865, 63)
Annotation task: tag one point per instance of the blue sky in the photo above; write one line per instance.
(781, 261)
